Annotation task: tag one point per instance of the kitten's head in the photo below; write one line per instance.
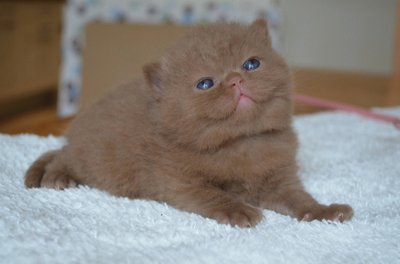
(221, 82)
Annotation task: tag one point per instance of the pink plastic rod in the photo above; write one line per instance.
(347, 108)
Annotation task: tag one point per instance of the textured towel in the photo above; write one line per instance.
(343, 158)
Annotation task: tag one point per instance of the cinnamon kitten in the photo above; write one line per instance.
(207, 130)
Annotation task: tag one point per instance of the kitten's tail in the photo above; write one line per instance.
(35, 173)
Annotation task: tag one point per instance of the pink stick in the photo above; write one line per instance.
(347, 108)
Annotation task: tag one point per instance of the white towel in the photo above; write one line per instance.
(343, 159)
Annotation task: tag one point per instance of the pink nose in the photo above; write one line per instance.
(236, 82)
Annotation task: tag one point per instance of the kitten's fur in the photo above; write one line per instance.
(160, 138)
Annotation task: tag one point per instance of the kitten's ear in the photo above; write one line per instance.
(260, 26)
(260, 23)
(152, 74)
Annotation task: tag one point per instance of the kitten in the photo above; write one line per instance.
(207, 130)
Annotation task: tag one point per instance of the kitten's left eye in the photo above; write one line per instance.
(251, 64)
(205, 84)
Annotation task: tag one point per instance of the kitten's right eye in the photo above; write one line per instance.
(205, 84)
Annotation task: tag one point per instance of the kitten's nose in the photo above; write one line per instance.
(235, 81)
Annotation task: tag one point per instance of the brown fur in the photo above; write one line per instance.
(160, 138)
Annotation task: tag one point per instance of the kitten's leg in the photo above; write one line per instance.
(214, 203)
(285, 194)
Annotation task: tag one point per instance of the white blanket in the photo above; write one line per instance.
(343, 158)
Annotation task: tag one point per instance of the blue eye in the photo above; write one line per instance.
(251, 64)
(205, 84)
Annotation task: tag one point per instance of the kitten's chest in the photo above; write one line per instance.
(247, 159)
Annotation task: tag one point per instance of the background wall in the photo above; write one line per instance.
(355, 35)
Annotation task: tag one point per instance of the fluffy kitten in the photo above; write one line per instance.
(207, 130)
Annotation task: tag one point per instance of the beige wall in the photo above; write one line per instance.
(356, 35)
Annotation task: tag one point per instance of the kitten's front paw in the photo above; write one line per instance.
(243, 216)
(57, 181)
(333, 212)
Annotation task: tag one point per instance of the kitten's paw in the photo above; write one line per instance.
(333, 212)
(57, 181)
(243, 216)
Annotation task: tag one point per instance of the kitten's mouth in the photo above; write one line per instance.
(244, 101)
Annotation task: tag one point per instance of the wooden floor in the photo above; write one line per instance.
(359, 89)
(42, 121)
